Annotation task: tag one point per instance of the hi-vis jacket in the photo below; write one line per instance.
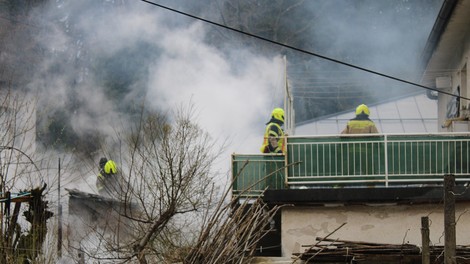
(273, 141)
(106, 174)
(360, 125)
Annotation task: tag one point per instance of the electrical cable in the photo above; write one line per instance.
(304, 51)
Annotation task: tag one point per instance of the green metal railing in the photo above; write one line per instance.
(254, 173)
(352, 160)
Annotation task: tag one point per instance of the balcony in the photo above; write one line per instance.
(349, 161)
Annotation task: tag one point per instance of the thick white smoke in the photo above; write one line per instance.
(233, 91)
(233, 100)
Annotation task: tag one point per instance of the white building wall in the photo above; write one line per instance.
(466, 61)
(459, 73)
(380, 224)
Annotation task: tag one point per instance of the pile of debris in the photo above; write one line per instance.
(343, 251)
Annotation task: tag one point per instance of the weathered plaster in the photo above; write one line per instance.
(381, 224)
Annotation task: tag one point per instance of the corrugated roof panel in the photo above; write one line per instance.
(389, 126)
(414, 125)
(325, 128)
(408, 109)
(413, 114)
(387, 111)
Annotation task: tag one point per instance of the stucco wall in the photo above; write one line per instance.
(380, 224)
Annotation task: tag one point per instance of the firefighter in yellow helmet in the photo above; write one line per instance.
(361, 124)
(107, 176)
(273, 141)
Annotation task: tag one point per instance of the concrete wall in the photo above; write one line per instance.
(459, 71)
(395, 224)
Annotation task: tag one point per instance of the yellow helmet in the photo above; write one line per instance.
(278, 113)
(362, 109)
(110, 167)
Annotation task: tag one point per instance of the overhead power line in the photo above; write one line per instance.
(304, 51)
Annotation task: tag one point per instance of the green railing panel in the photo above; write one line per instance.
(336, 158)
(356, 160)
(427, 155)
(254, 173)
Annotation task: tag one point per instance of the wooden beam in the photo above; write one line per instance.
(425, 255)
(449, 220)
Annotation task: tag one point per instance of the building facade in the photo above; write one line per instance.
(376, 189)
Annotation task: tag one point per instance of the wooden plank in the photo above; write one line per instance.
(371, 253)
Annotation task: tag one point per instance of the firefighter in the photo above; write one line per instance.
(273, 141)
(361, 124)
(107, 176)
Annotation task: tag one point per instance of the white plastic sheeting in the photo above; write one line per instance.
(412, 114)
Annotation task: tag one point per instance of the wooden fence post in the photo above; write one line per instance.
(425, 255)
(449, 220)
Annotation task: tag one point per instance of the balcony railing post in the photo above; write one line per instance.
(386, 159)
(286, 171)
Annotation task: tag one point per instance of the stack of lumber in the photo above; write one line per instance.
(343, 251)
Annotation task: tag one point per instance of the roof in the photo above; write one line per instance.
(447, 44)
(439, 26)
(417, 113)
(412, 114)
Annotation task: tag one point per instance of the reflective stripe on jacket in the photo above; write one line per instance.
(273, 141)
(355, 126)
